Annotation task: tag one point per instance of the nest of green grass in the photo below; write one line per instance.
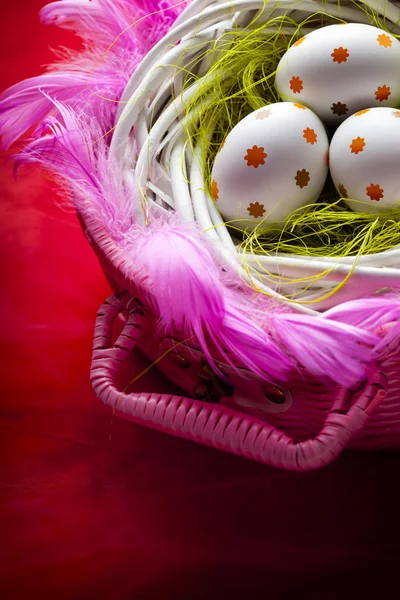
(240, 80)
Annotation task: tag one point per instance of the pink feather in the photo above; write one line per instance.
(367, 313)
(328, 349)
(100, 22)
(28, 103)
(190, 298)
(93, 79)
(75, 151)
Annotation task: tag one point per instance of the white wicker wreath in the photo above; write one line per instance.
(168, 173)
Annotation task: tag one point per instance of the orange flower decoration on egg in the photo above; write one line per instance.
(256, 210)
(264, 114)
(214, 190)
(396, 113)
(296, 85)
(357, 145)
(309, 135)
(342, 191)
(361, 112)
(374, 191)
(300, 41)
(255, 156)
(340, 55)
(382, 93)
(302, 178)
(384, 40)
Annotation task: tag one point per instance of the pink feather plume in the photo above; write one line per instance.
(190, 298)
(28, 103)
(329, 350)
(73, 148)
(92, 79)
(367, 313)
(101, 22)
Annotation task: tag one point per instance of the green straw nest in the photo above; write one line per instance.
(241, 79)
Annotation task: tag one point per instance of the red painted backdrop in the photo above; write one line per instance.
(93, 507)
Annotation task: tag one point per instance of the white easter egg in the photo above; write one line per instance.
(340, 69)
(364, 159)
(273, 161)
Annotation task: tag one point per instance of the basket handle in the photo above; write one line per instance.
(217, 425)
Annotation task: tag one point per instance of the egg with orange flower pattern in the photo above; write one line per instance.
(365, 160)
(340, 69)
(272, 162)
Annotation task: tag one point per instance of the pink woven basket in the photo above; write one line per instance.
(309, 430)
(262, 377)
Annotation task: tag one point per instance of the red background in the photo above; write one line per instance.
(95, 507)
